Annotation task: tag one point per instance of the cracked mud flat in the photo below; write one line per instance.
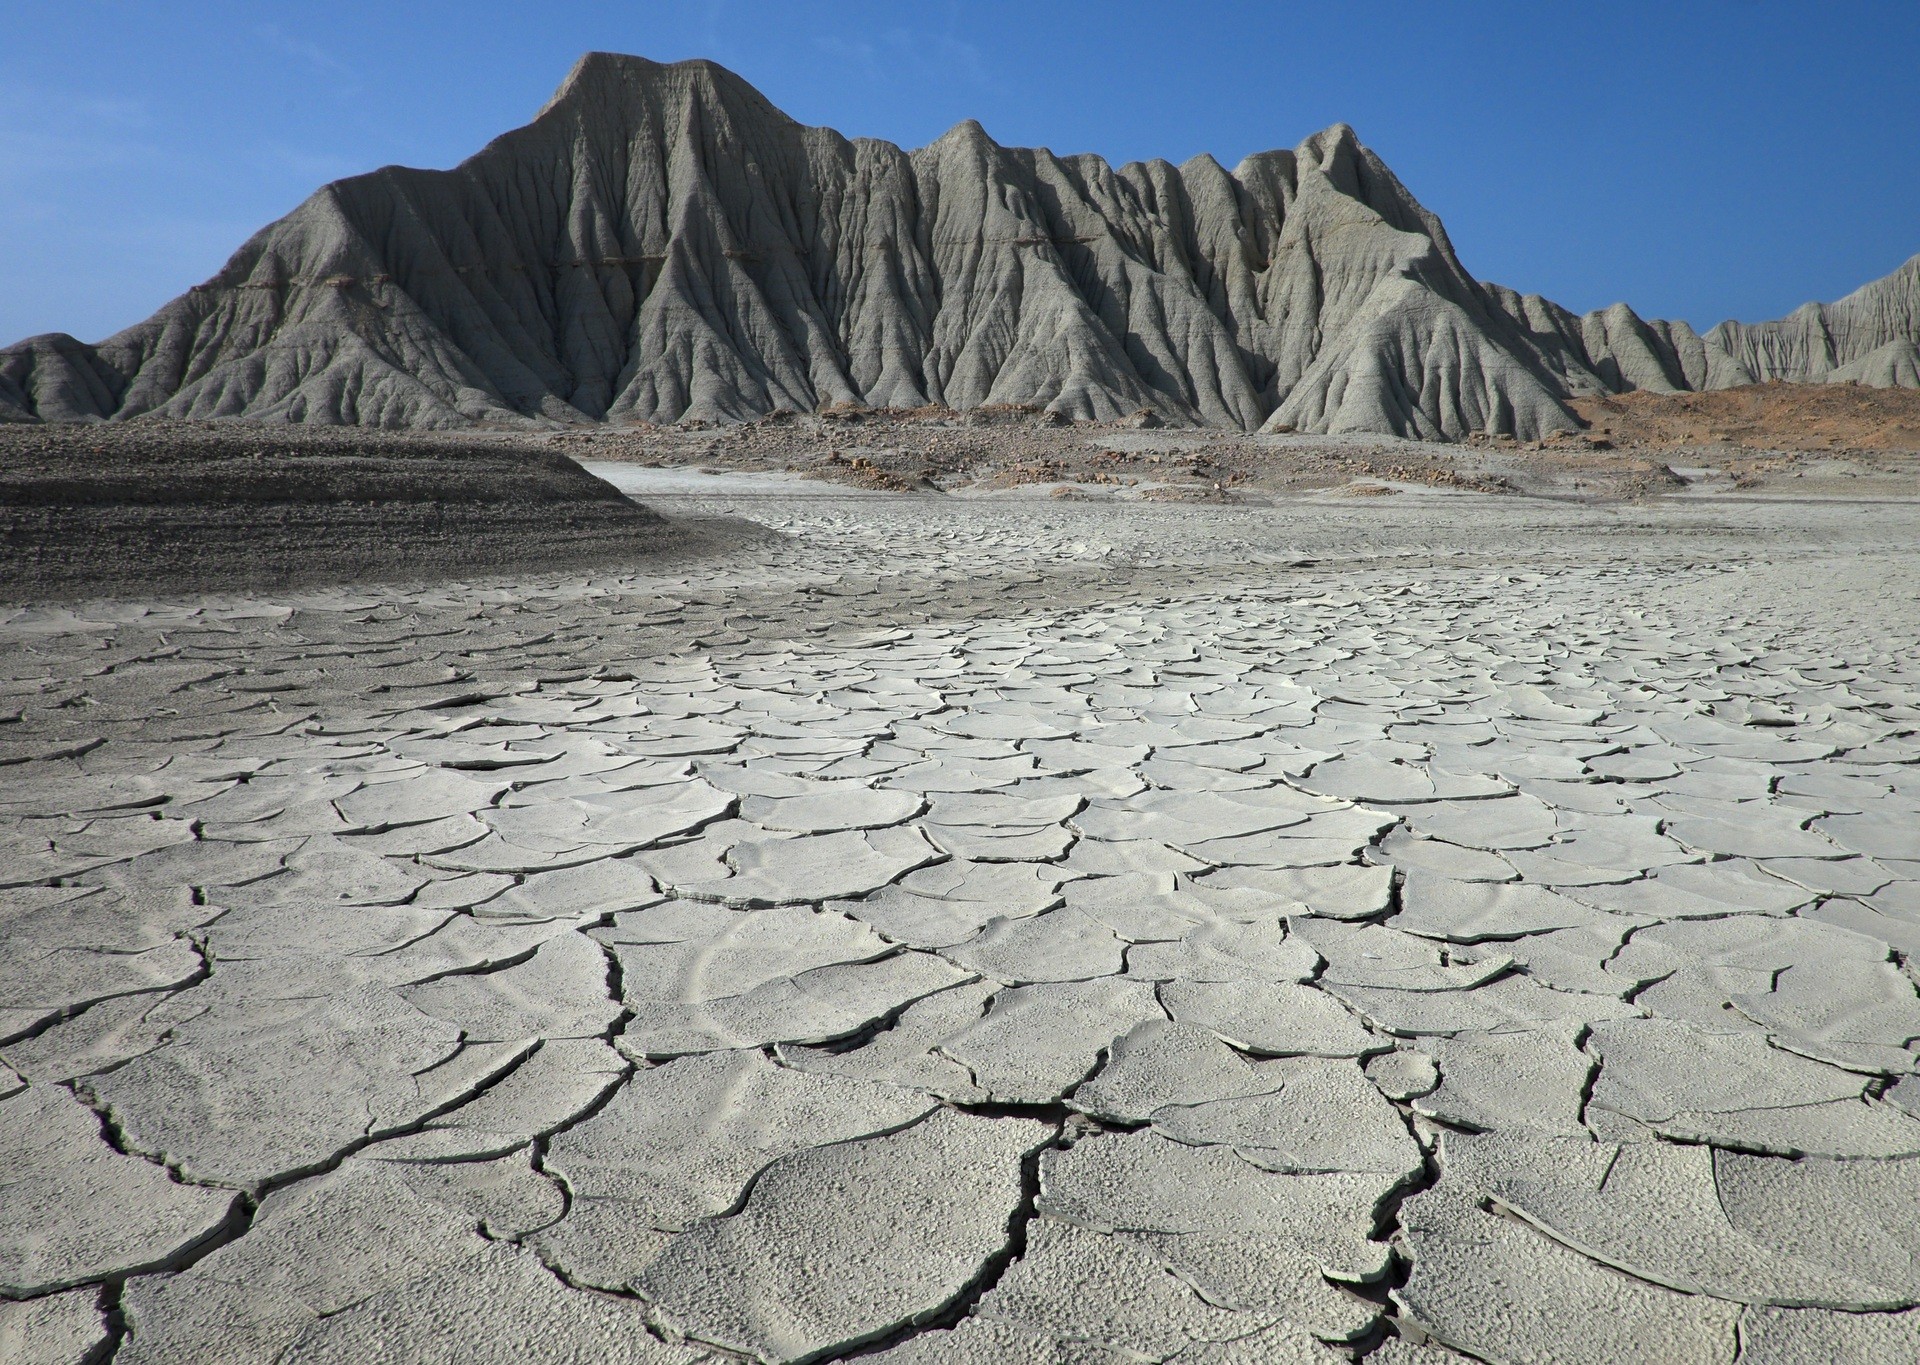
(968, 932)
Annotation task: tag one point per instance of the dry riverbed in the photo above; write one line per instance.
(983, 929)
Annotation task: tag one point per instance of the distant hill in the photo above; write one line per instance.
(662, 244)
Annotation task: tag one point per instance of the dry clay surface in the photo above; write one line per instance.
(984, 932)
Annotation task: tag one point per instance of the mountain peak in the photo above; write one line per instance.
(618, 75)
(968, 132)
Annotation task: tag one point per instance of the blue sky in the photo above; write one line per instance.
(1697, 158)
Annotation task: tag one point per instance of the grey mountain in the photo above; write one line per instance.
(662, 244)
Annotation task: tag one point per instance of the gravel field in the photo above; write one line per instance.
(983, 929)
(1796, 441)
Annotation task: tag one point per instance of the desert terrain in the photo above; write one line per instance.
(1795, 440)
(695, 740)
(1123, 907)
(159, 505)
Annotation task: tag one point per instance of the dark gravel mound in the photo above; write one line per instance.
(110, 510)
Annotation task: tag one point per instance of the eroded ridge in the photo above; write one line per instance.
(995, 933)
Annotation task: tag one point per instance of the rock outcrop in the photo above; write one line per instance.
(662, 244)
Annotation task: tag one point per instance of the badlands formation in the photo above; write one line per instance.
(661, 244)
(1093, 895)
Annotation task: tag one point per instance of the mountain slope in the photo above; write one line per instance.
(662, 244)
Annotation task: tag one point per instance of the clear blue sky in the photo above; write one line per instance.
(1697, 158)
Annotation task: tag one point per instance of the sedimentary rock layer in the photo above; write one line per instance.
(182, 507)
(662, 244)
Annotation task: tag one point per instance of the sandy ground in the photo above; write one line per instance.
(984, 928)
